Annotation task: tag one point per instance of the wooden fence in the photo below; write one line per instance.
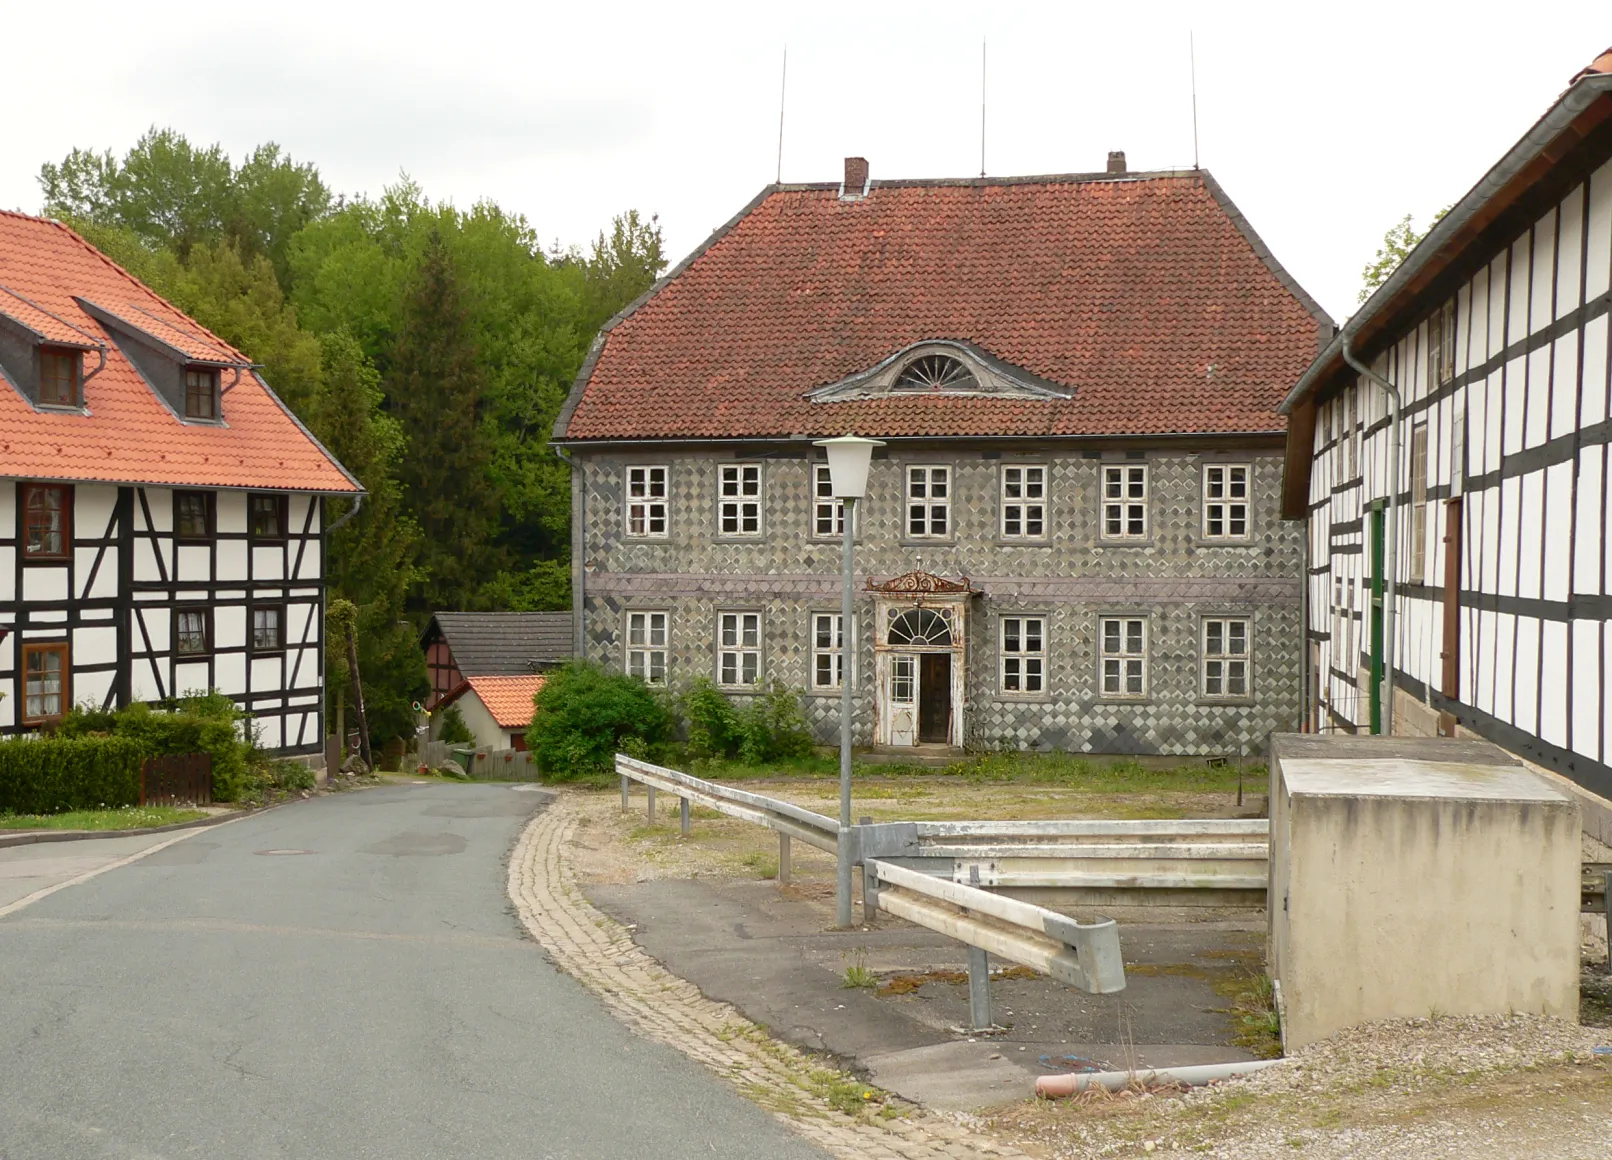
(177, 779)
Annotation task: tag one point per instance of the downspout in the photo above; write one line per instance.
(358, 502)
(1391, 550)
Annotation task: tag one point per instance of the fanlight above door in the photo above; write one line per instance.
(920, 626)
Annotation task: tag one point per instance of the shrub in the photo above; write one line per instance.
(55, 774)
(290, 776)
(453, 729)
(197, 723)
(713, 724)
(586, 714)
(773, 726)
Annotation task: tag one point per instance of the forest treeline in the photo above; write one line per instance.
(428, 347)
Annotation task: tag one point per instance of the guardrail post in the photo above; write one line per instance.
(783, 859)
(651, 790)
(870, 884)
(625, 782)
(1606, 912)
(682, 815)
(979, 989)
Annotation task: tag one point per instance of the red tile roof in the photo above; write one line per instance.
(508, 699)
(1147, 294)
(129, 435)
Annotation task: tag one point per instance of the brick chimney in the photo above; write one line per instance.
(1116, 161)
(856, 177)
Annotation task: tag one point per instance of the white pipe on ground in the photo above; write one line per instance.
(1196, 1076)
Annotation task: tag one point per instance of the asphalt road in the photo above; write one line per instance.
(342, 977)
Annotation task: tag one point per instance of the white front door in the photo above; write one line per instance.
(903, 707)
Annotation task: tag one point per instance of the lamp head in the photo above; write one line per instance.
(848, 458)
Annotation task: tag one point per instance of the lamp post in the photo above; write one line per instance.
(848, 458)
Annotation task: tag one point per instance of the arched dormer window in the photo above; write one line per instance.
(935, 372)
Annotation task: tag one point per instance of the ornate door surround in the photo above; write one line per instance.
(915, 615)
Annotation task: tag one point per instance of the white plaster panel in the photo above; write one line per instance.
(93, 506)
(48, 615)
(1570, 269)
(268, 673)
(1504, 669)
(270, 732)
(229, 626)
(299, 512)
(231, 561)
(1592, 399)
(160, 502)
(1553, 702)
(145, 561)
(1588, 529)
(231, 511)
(1510, 499)
(8, 511)
(1530, 526)
(268, 562)
(91, 689)
(96, 645)
(8, 574)
(1543, 284)
(1598, 275)
(142, 681)
(1526, 677)
(1536, 427)
(96, 613)
(105, 584)
(158, 627)
(1564, 386)
(191, 678)
(1588, 698)
(229, 672)
(1558, 531)
(39, 583)
(1517, 304)
(1497, 303)
(193, 562)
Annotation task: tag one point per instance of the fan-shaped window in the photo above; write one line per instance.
(936, 372)
(920, 626)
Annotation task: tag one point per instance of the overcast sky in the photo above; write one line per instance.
(1325, 123)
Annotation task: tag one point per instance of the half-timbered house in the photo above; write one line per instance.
(162, 513)
(1072, 538)
(1491, 341)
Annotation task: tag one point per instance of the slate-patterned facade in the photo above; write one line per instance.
(1015, 618)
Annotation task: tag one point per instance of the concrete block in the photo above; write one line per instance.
(1414, 876)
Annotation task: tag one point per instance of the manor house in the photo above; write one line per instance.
(1072, 538)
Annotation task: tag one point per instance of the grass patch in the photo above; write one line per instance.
(760, 864)
(127, 818)
(1253, 1002)
(1064, 770)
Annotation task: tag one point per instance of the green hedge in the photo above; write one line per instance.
(53, 774)
(196, 723)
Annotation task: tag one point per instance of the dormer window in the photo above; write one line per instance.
(201, 393)
(60, 372)
(936, 372)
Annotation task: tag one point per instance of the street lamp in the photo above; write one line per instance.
(848, 458)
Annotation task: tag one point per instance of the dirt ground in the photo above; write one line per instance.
(1422, 1089)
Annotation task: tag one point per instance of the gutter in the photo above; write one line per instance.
(1391, 549)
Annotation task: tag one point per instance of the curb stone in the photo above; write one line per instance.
(600, 953)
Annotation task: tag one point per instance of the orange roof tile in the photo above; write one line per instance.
(508, 699)
(129, 435)
(1148, 295)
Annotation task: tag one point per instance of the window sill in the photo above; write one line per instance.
(937, 542)
(1021, 698)
(63, 408)
(632, 539)
(1113, 699)
(1023, 542)
(1123, 542)
(1202, 541)
(40, 558)
(819, 692)
(1227, 702)
(730, 538)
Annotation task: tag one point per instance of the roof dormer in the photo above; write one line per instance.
(42, 355)
(182, 366)
(940, 367)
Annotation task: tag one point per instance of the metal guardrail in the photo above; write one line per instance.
(1196, 862)
(788, 820)
(1084, 955)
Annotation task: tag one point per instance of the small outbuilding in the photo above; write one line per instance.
(496, 710)
(460, 646)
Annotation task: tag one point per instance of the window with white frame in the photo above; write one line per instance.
(1125, 501)
(828, 513)
(828, 650)
(646, 646)
(740, 485)
(929, 503)
(646, 501)
(1225, 656)
(1124, 656)
(738, 648)
(1022, 652)
(1441, 345)
(1024, 502)
(1225, 501)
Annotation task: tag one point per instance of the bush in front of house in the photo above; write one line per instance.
(585, 715)
(453, 729)
(770, 726)
(50, 775)
(208, 723)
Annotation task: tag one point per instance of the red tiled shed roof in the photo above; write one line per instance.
(508, 699)
(129, 436)
(1146, 294)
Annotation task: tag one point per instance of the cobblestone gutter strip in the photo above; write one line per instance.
(599, 952)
